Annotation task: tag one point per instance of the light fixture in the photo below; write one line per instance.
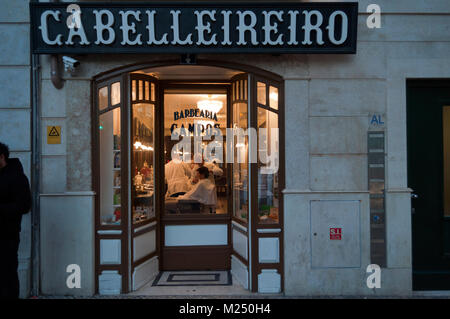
(210, 105)
(143, 147)
(274, 96)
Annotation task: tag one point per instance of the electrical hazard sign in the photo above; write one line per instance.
(335, 233)
(53, 134)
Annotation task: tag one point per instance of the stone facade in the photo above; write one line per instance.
(15, 108)
(328, 103)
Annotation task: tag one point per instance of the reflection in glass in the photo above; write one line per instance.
(103, 98)
(110, 201)
(115, 93)
(261, 93)
(268, 192)
(143, 162)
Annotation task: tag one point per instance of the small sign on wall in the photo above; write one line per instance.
(377, 120)
(335, 233)
(53, 134)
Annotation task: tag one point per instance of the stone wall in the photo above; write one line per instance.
(15, 107)
(329, 99)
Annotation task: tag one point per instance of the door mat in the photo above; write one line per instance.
(193, 278)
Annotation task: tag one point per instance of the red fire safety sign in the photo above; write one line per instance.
(335, 233)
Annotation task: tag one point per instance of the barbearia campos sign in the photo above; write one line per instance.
(193, 27)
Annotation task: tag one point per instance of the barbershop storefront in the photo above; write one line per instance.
(298, 110)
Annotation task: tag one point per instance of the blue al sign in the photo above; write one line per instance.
(377, 120)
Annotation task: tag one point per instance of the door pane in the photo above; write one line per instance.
(245, 89)
(133, 90)
(268, 164)
(191, 119)
(273, 97)
(115, 93)
(110, 201)
(240, 164)
(103, 98)
(141, 90)
(147, 90)
(153, 92)
(261, 93)
(143, 162)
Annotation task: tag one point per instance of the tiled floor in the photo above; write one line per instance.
(235, 289)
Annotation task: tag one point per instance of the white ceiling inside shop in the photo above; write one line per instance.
(191, 72)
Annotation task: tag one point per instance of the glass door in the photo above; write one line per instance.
(144, 192)
(110, 175)
(267, 183)
(240, 180)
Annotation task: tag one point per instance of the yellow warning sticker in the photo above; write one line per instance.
(53, 134)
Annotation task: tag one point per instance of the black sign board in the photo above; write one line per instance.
(190, 28)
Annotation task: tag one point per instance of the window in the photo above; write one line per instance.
(110, 158)
(240, 164)
(188, 113)
(268, 166)
(143, 161)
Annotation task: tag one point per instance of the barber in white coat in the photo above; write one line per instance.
(177, 174)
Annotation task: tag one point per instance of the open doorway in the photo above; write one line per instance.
(150, 217)
(428, 121)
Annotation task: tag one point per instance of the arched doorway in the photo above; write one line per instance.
(140, 229)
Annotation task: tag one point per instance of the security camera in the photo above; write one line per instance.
(70, 64)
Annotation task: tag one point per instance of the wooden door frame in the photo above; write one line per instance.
(190, 220)
(254, 225)
(95, 157)
(123, 73)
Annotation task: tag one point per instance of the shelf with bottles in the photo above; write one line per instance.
(141, 213)
(117, 179)
(116, 198)
(116, 159)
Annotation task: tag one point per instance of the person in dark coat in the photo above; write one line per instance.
(15, 200)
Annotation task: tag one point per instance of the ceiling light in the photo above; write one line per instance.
(210, 105)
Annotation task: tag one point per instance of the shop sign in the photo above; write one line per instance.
(195, 114)
(190, 28)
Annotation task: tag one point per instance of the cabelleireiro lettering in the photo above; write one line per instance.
(150, 27)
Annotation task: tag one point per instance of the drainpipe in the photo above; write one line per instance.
(55, 72)
(35, 178)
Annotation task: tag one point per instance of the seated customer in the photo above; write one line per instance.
(204, 191)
